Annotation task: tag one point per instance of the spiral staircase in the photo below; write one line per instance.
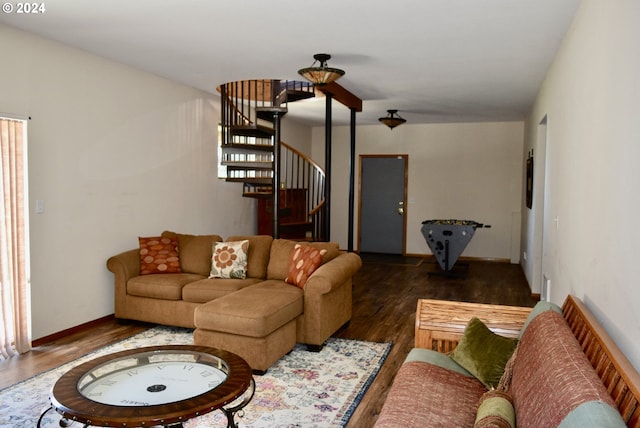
(255, 156)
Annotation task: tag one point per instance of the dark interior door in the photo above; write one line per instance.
(382, 204)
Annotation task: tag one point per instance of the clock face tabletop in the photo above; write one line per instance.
(157, 385)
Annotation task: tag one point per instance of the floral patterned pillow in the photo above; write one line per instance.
(229, 259)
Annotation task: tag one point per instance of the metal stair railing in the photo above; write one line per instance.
(247, 122)
(298, 171)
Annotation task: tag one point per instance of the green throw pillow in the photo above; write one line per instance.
(483, 353)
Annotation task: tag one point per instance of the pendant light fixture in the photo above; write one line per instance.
(392, 119)
(321, 74)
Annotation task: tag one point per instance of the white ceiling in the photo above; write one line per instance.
(433, 60)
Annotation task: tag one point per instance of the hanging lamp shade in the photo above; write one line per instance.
(392, 119)
(321, 74)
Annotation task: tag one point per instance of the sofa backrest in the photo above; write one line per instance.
(552, 377)
(195, 251)
(540, 307)
(281, 250)
(267, 257)
(258, 255)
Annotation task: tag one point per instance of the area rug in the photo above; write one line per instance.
(303, 389)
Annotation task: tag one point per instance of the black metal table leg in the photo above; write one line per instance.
(230, 412)
(42, 416)
(64, 422)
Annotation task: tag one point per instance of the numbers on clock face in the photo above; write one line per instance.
(203, 373)
(153, 383)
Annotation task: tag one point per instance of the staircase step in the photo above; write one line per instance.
(293, 90)
(246, 148)
(259, 131)
(267, 113)
(259, 166)
(295, 95)
(258, 195)
(250, 180)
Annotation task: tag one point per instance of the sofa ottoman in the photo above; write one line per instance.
(257, 323)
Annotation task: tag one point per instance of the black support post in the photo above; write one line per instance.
(327, 166)
(276, 176)
(352, 177)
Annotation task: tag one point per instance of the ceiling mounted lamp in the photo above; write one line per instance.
(321, 75)
(392, 119)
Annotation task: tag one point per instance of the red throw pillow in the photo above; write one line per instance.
(159, 255)
(305, 259)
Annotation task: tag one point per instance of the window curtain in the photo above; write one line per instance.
(15, 318)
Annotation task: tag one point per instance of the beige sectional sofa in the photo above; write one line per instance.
(260, 317)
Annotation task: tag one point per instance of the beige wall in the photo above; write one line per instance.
(296, 135)
(588, 212)
(466, 171)
(114, 153)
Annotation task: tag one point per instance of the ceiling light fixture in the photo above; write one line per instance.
(392, 119)
(321, 75)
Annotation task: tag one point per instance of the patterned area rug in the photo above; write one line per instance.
(303, 389)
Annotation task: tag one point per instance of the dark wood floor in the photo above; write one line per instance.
(386, 292)
(385, 296)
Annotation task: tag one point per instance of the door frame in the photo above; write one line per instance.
(405, 158)
(543, 213)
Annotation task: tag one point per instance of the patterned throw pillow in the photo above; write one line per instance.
(159, 255)
(229, 259)
(305, 259)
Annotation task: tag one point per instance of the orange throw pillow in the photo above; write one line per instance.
(305, 259)
(159, 255)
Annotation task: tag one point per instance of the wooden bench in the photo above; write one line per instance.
(440, 325)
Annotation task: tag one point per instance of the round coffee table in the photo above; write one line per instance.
(157, 385)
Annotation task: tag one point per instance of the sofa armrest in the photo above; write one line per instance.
(124, 266)
(327, 299)
(333, 274)
(436, 358)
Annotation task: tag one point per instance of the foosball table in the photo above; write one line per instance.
(447, 239)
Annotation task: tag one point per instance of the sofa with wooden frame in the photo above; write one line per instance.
(565, 371)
